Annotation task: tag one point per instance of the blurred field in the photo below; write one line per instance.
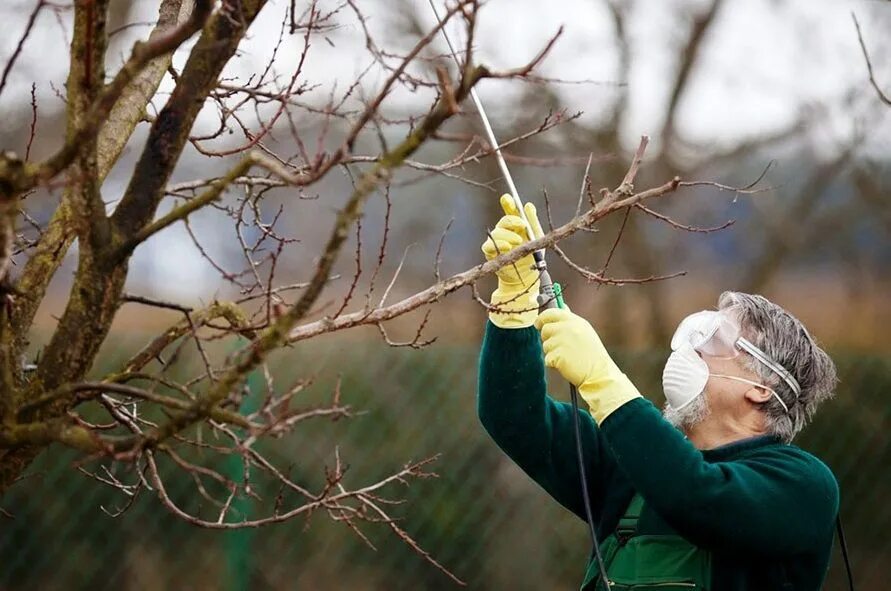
(481, 518)
(839, 312)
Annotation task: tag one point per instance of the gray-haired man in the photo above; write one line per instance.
(709, 494)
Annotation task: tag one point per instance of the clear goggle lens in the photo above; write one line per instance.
(709, 333)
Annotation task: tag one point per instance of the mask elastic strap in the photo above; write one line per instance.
(738, 379)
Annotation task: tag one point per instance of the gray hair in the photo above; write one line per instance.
(786, 341)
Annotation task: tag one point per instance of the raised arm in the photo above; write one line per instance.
(533, 429)
(774, 499)
(777, 500)
(536, 431)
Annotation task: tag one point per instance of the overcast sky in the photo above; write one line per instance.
(763, 61)
(764, 58)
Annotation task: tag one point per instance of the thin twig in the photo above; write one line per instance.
(872, 79)
(18, 48)
(33, 129)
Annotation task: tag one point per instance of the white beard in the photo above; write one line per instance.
(692, 414)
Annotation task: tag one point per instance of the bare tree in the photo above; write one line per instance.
(143, 415)
(803, 183)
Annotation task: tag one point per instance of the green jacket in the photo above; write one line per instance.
(764, 509)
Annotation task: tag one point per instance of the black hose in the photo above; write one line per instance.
(844, 549)
(549, 298)
(586, 497)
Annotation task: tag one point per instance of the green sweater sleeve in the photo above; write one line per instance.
(533, 429)
(776, 500)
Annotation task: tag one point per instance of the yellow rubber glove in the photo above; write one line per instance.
(572, 347)
(517, 293)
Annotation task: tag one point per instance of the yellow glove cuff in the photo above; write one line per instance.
(607, 393)
(515, 308)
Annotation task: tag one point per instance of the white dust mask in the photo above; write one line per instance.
(684, 376)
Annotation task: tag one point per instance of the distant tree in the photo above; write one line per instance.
(818, 192)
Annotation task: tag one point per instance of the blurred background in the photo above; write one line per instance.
(726, 89)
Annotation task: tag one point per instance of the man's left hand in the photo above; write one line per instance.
(572, 347)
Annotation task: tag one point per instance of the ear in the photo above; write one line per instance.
(757, 395)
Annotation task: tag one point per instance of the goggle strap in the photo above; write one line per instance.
(778, 369)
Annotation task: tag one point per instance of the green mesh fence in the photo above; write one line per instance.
(482, 518)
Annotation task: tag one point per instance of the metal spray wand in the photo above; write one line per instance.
(550, 295)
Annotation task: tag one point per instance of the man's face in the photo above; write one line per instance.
(729, 390)
(727, 397)
(723, 399)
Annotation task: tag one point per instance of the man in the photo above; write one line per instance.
(709, 493)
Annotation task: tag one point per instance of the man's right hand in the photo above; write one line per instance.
(516, 298)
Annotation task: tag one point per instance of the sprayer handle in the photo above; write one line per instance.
(551, 293)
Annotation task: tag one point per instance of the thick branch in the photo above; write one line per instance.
(170, 129)
(59, 234)
(46, 432)
(130, 108)
(443, 288)
(85, 78)
(143, 53)
(232, 313)
(95, 295)
(186, 209)
(277, 334)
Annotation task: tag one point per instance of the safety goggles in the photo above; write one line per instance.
(716, 334)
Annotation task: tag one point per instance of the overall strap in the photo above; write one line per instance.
(634, 559)
(627, 526)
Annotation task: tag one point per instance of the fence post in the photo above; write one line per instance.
(238, 541)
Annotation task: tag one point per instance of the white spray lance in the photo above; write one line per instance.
(550, 293)
(550, 296)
